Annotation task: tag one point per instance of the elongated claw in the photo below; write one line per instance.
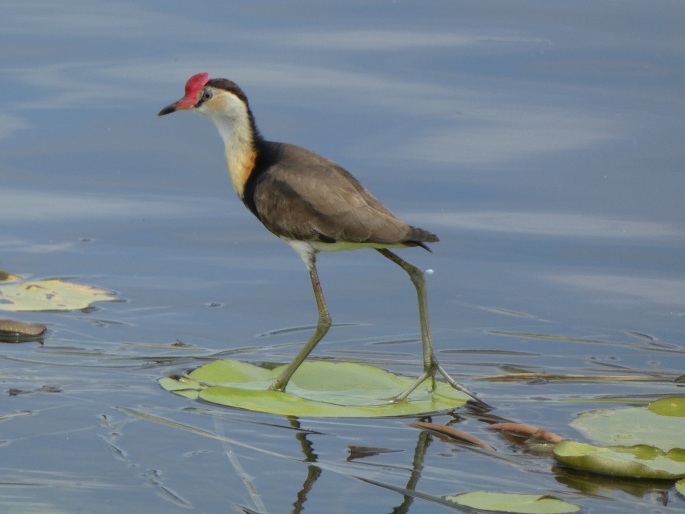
(430, 373)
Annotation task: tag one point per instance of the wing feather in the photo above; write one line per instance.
(304, 196)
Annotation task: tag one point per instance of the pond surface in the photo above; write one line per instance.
(542, 141)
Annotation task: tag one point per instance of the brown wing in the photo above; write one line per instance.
(304, 196)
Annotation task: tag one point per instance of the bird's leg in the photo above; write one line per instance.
(322, 327)
(430, 363)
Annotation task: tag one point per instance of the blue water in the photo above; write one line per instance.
(542, 142)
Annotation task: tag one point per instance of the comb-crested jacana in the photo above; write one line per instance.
(309, 202)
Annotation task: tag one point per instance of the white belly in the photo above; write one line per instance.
(307, 249)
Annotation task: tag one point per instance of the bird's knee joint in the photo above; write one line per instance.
(324, 323)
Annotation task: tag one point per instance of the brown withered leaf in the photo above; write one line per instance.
(13, 331)
(528, 431)
(454, 434)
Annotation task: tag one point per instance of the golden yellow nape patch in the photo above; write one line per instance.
(239, 168)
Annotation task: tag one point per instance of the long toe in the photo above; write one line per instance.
(456, 385)
(430, 374)
(420, 380)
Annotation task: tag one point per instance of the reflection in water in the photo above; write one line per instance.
(505, 135)
(395, 40)
(61, 206)
(554, 224)
(417, 466)
(546, 143)
(314, 471)
(10, 123)
(641, 290)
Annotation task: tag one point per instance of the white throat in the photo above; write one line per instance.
(233, 123)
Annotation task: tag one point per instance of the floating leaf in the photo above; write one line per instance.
(640, 461)
(637, 425)
(12, 331)
(668, 407)
(509, 502)
(7, 277)
(50, 295)
(529, 431)
(680, 486)
(182, 386)
(454, 434)
(21, 327)
(317, 389)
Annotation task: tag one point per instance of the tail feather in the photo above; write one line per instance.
(419, 236)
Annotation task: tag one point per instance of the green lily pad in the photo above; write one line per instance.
(317, 389)
(509, 502)
(680, 486)
(50, 295)
(7, 277)
(657, 424)
(640, 461)
(668, 407)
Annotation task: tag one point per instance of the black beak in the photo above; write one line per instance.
(168, 109)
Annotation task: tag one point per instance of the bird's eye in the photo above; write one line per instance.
(207, 95)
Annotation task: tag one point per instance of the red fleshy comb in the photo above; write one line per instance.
(193, 89)
(195, 83)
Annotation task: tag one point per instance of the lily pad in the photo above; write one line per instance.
(7, 277)
(509, 502)
(640, 461)
(50, 295)
(317, 389)
(657, 424)
(668, 407)
(680, 486)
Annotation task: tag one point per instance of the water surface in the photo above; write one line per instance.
(541, 141)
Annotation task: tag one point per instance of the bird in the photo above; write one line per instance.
(312, 204)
